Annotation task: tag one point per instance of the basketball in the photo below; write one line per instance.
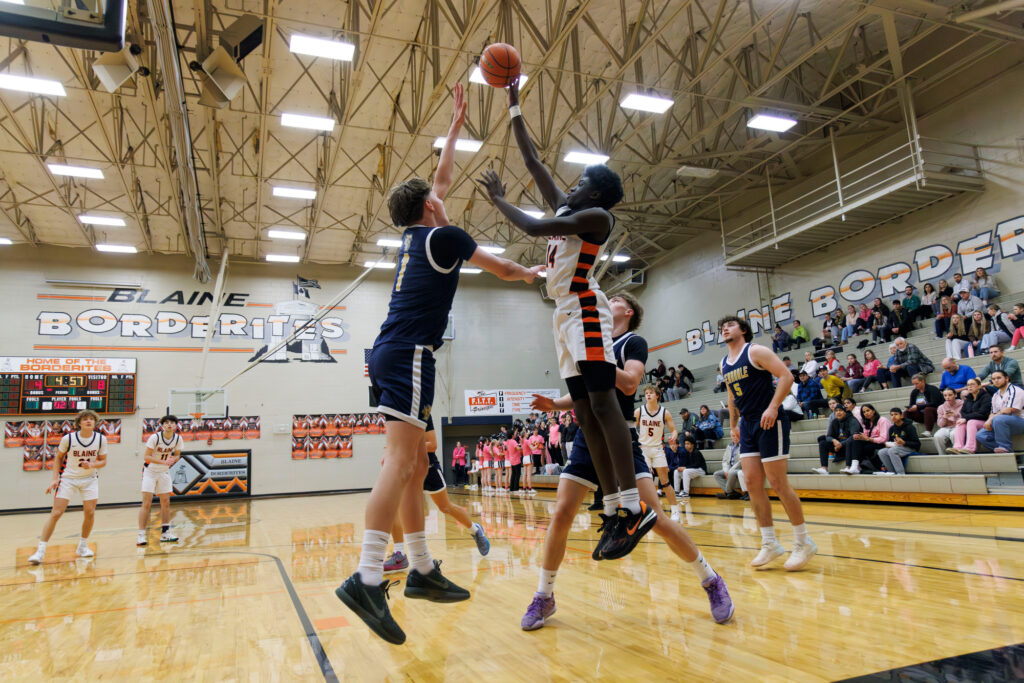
(499, 64)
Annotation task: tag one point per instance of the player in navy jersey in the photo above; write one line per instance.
(757, 383)
(578, 478)
(582, 319)
(402, 378)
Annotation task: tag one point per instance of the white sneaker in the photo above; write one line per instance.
(769, 551)
(854, 469)
(37, 557)
(819, 470)
(845, 470)
(168, 537)
(926, 433)
(141, 540)
(84, 551)
(801, 555)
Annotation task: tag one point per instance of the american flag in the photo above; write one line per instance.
(366, 362)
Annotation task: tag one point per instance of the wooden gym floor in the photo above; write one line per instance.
(248, 594)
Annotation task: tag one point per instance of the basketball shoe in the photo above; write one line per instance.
(630, 527)
(370, 603)
(433, 586)
(537, 613)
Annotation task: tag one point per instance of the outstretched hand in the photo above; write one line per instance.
(541, 402)
(513, 92)
(492, 184)
(459, 107)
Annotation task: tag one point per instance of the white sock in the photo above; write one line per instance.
(630, 499)
(371, 560)
(419, 554)
(546, 585)
(83, 541)
(801, 532)
(611, 503)
(400, 548)
(701, 567)
(768, 534)
(476, 529)
(42, 546)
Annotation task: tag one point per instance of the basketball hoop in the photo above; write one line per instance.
(196, 416)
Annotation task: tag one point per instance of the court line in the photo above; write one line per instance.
(116, 574)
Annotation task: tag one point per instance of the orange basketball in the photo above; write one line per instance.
(499, 64)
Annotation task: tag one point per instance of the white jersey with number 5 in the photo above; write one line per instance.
(651, 427)
(162, 450)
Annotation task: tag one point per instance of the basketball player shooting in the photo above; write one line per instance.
(583, 325)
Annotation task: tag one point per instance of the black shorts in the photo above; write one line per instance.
(770, 445)
(580, 467)
(402, 376)
(434, 481)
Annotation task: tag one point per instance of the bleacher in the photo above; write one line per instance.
(987, 479)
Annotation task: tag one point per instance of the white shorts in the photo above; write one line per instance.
(527, 459)
(572, 325)
(508, 463)
(655, 456)
(156, 482)
(88, 487)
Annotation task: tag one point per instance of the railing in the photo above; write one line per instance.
(905, 165)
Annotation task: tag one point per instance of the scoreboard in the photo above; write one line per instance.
(55, 386)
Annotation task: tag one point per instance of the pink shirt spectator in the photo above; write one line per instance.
(459, 456)
(871, 368)
(537, 443)
(553, 435)
(881, 431)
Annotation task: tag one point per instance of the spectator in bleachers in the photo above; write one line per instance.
(850, 326)
(809, 395)
(827, 338)
(911, 303)
(880, 330)
(979, 327)
(929, 300)
(684, 381)
(983, 285)
(1002, 327)
(833, 386)
(673, 454)
(850, 403)
(730, 477)
(659, 371)
(1017, 317)
(909, 361)
(943, 313)
(949, 413)
(967, 303)
(955, 375)
(838, 441)
(960, 284)
(810, 365)
(788, 362)
(863, 323)
(924, 403)
(687, 423)
(781, 341)
(957, 340)
(1005, 421)
(999, 361)
(791, 405)
(900, 322)
(666, 383)
(832, 364)
(693, 466)
(874, 371)
(976, 408)
(719, 382)
(709, 428)
(854, 374)
(944, 289)
(903, 441)
(800, 334)
(878, 306)
(867, 443)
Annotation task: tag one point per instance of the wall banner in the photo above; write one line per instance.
(212, 474)
(504, 401)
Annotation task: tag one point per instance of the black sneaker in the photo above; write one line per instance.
(596, 505)
(370, 603)
(628, 531)
(433, 586)
(606, 529)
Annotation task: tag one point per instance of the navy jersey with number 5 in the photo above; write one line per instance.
(751, 387)
(427, 274)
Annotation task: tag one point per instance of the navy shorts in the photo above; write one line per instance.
(580, 467)
(769, 445)
(434, 481)
(402, 379)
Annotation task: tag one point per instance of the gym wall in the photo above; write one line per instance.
(503, 340)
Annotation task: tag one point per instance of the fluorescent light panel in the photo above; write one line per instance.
(378, 264)
(38, 86)
(618, 258)
(282, 258)
(585, 158)
(318, 47)
(286, 235)
(492, 249)
(777, 124)
(310, 122)
(655, 105)
(5, 240)
(696, 171)
(477, 76)
(461, 144)
(117, 248)
(76, 171)
(294, 192)
(470, 271)
(102, 220)
(389, 242)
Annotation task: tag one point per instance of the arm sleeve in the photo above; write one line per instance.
(636, 349)
(450, 244)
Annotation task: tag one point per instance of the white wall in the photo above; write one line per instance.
(503, 340)
(693, 287)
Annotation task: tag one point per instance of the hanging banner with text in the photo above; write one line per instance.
(504, 401)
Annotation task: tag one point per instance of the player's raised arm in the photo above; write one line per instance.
(592, 221)
(446, 164)
(503, 267)
(545, 183)
(545, 404)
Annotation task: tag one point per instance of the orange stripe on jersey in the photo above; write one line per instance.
(593, 335)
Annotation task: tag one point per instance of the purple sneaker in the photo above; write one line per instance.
(540, 609)
(396, 562)
(721, 604)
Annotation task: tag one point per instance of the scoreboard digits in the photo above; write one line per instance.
(43, 387)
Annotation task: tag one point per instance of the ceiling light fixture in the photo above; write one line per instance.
(318, 47)
(282, 258)
(36, 86)
(461, 144)
(294, 192)
(378, 264)
(5, 241)
(696, 171)
(585, 158)
(776, 124)
(286, 235)
(102, 220)
(117, 248)
(618, 258)
(309, 122)
(76, 171)
(477, 76)
(389, 242)
(654, 105)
